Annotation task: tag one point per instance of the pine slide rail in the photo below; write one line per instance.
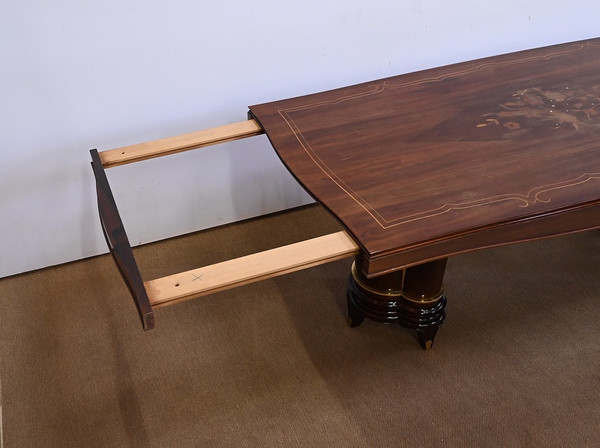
(180, 143)
(250, 268)
(212, 278)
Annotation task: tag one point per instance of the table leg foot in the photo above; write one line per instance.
(426, 335)
(413, 298)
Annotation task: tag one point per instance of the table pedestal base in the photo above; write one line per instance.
(413, 297)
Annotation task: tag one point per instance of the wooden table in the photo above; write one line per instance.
(427, 165)
(422, 166)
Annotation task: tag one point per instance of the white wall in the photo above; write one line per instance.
(77, 74)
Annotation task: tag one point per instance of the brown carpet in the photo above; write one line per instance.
(517, 363)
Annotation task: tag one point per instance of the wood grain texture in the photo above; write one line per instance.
(180, 143)
(249, 269)
(118, 243)
(438, 162)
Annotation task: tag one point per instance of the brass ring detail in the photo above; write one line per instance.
(398, 293)
(371, 290)
(433, 299)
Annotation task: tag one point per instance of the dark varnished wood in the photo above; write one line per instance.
(413, 298)
(429, 164)
(118, 243)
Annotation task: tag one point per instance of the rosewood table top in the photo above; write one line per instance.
(476, 154)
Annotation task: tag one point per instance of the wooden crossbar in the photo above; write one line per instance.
(180, 143)
(251, 268)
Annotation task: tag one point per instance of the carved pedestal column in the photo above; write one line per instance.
(413, 297)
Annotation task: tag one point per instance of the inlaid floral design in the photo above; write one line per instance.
(563, 107)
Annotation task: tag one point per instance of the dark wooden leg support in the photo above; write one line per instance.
(413, 297)
(118, 243)
(375, 298)
(423, 288)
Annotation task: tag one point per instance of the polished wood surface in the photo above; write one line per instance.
(429, 164)
(413, 298)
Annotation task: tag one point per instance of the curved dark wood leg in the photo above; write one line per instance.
(118, 243)
(412, 297)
